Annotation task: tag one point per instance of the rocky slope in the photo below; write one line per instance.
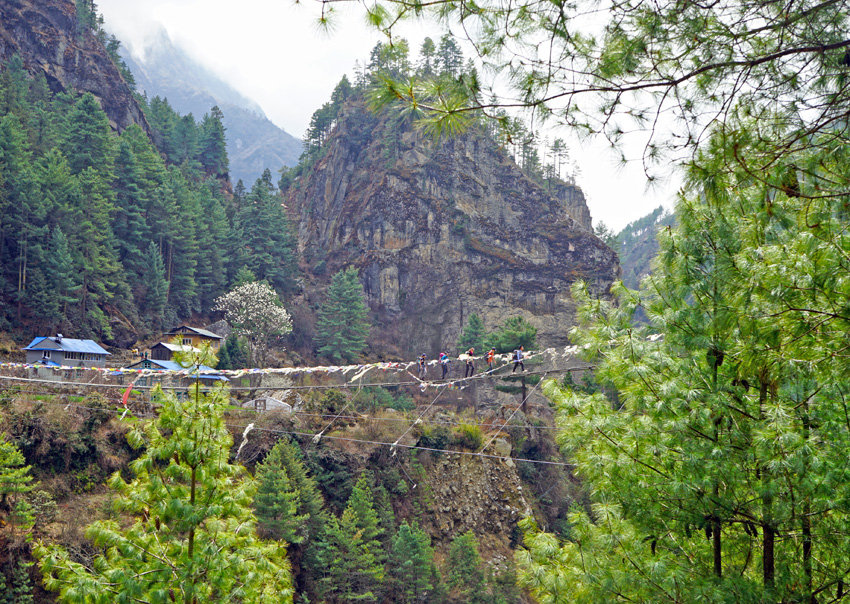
(441, 230)
(254, 143)
(49, 40)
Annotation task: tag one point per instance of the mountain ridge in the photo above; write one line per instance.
(254, 143)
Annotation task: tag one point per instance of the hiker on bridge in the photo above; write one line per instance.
(469, 371)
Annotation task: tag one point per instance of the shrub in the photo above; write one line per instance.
(469, 436)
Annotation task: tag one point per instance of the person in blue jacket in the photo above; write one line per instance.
(444, 363)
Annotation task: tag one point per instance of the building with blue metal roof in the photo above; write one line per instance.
(67, 352)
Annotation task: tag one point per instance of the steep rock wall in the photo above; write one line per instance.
(45, 35)
(441, 230)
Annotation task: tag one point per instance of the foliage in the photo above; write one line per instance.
(602, 231)
(623, 69)
(193, 537)
(234, 354)
(15, 482)
(100, 230)
(343, 324)
(474, 335)
(288, 502)
(351, 554)
(469, 436)
(373, 399)
(466, 577)
(515, 332)
(410, 566)
(255, 313)
(720, 475)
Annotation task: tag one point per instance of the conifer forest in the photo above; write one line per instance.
(413, 367)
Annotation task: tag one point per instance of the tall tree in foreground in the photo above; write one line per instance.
(721, 475)
(343, 319)
(193, 536)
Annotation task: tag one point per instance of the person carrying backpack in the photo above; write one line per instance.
(491, 356)
(423, 367)
(518, 359)
(470, 363)
(444, 363)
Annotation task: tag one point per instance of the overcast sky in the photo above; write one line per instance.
(273, 52)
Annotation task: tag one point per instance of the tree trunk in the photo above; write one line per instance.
(768, 533)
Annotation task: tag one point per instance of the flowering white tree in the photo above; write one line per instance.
(256, 313)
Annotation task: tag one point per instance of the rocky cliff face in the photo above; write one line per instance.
(45, 34)
(441, 230)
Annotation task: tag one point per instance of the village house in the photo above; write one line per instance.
(180, 382)
(165, 351)
(194, 336)
(59, 351)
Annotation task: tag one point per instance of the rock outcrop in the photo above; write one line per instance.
(46, 35)
(441, 230)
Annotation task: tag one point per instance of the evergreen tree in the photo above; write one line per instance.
(267, 235)
(15, 479)
(466, 576)
(411, 565)
(351, 554)
(86, 142)
(730, 431)
(192, 538)
(213, 144)
(234, 354)
(515, 332)
(14, 89)
(427, 58)
(21, 584)
(473, 335)
(131, 230)
(342, 325)
(277, 501)
(62, 277)
(93, 241)
(449, 57)
(156, 286)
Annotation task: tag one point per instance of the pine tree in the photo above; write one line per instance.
(156, 286)
(86, 140)
(267, 235)
(15, 479)
(474, 335)
(21, 584)
(342, 325)
(466, 576)
(449, 57)
(351, 554)
(427, 58)
(193, 536)
(234, 354)
(411, 565)
(515, 332)
(60, 266)
(131, 230)
(213, 144)
(730, 431)
(277, 501)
